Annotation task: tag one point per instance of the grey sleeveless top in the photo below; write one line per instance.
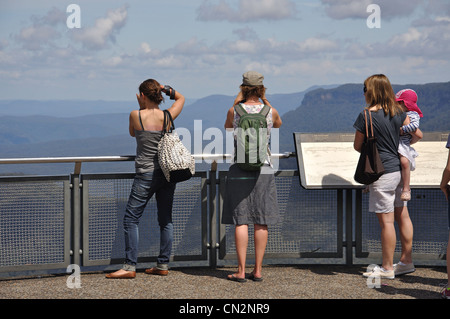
(147, 150)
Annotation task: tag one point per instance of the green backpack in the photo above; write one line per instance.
(251, 138)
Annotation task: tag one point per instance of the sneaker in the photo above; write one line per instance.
(378, 271)
(445, 293)
(401, 268)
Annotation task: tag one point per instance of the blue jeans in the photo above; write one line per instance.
(448, 204)
(144, 186)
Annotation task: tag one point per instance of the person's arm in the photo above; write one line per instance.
(230, 114)
(417, 135)
(131, 124)
(276, 118)
(413, 125)
(446, 178)
(230, 118)
(177, 106)
(358, 141)
(265, 100)
(239, 98)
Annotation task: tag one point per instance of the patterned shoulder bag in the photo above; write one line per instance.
(174, 158)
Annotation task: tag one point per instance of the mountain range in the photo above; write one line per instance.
(100, 128)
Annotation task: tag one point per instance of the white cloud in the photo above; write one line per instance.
(35, 37)
(407, 39)
(343, 9)
(145, 47)
(193, 46)
(438, 7)
(266, 9)
(113, 61)
(431, 40)
(248, 10)
(171, 62)
(294, 56)
(243, 46)
(356, 9)
(246, 33)
(43, 31)
(104, 30)
(312, 45)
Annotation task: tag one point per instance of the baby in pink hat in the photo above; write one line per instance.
(408, 99)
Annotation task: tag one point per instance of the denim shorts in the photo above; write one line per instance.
(384, 194)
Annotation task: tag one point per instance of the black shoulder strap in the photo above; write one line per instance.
(140, 120)
(168, 120)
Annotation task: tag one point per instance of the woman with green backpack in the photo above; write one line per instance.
(250, 193)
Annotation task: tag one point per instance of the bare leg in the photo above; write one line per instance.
(406, 233)
(388, 239)
(261, 236)
(241, 238)
(406, 173)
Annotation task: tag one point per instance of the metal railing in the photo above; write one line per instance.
(50, 222)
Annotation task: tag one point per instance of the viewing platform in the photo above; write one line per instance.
(287, 282)
(53, 228)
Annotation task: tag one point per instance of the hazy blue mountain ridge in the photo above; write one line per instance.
(96, 128)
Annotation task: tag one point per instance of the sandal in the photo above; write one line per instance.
(252, 277)
(234, 278)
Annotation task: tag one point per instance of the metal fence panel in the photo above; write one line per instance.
(104, 202)
(428, 211)
(40, 228)
(34, 223)
(311, 223)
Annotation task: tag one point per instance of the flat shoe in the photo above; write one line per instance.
(127, 275)
(252, 277)
(234, 278)
(156, 271)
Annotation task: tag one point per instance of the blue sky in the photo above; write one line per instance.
(202, 47)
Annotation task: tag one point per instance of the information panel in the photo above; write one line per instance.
(329, 160)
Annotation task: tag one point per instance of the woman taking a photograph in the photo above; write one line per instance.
(250, 196)
(146, 125)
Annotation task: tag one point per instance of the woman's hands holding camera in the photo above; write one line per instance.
(169, 91)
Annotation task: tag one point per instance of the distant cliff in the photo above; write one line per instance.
(335, 110)
(94, 128)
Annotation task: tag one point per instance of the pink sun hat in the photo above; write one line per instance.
(409, 97)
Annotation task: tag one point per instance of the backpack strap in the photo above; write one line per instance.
(265, 110)
(240, 109)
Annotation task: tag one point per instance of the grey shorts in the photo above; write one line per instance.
(384, 194)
